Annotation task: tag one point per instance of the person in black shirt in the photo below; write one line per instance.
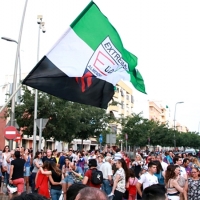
(55, 177)
(17, 173)
(49, 157)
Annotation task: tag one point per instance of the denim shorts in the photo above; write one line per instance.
(27, 171)
(68, 179)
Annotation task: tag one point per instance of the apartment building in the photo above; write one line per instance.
(123, 104)
(157, 112)
(160, 113)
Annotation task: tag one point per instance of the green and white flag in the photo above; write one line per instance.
(91, 57)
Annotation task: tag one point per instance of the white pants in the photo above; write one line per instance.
(175, 197)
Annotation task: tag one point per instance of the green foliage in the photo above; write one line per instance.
(142, 132)
(67, 120)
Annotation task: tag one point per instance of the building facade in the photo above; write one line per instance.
(160, 113)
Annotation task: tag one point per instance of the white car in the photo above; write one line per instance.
(192, 151)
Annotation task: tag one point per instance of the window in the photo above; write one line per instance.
(132, 99)
(127, 97)
(122, 105)
(122, 92)
(24, 143)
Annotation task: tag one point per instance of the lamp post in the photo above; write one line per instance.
(121, 141)
(175, 123)
(198, 128)
(15, 73)
(41, 27)
(11, 40)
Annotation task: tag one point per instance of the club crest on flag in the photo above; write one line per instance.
(105, 60)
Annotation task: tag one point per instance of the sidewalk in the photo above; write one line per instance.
(4, 197)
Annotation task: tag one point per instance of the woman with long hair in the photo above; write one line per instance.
(194, 184)
(65, 167)
(65, 172)
(159, 174)
(137, 165)
(171, 182)
(120, 178)
(99, 161)
(37, 163)
(195, 162)
(80, 160)
(1, 188)
(131, 185)
(27, 166)
(4, 168)
(42, 180)
(55, 178)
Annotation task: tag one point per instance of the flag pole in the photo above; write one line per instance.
(41, 27)
(12, 115)
(11, 97)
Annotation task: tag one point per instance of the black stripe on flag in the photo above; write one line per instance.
(46, 77)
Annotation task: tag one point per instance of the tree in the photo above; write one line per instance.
(134, 127)
(141, 130)
(67, 120)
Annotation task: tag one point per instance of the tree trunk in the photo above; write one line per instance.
(81, 144)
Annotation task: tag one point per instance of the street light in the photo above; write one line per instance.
(15, 74)
(175, 123)
(11, 40)
(198, 129)
(41, 27)
(121, 141)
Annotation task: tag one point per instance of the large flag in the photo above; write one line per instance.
(86, 62)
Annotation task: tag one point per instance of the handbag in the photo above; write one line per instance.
(12, 188)
(37, 189)
(181, 181)
(76, 179)
(4, 168)
(61, 196)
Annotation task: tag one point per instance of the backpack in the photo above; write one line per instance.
(96, 177)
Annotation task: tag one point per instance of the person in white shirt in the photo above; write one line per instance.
(106, 169)
(160, 159)
(118, 154)
(148, 178)
(182, 180)
(92, 155)
(178, 161)
(72, 155)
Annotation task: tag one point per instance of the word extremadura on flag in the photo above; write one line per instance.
(86, 62)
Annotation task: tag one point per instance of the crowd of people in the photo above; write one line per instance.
(109, 174)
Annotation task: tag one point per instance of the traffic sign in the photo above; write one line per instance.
(10, 132)
(111, 138)
(126, 136)
(100, 138)
(18, 138)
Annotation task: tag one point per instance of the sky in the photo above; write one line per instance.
(164, 35)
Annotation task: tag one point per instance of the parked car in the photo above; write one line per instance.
(178, 152)
(192, 151)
